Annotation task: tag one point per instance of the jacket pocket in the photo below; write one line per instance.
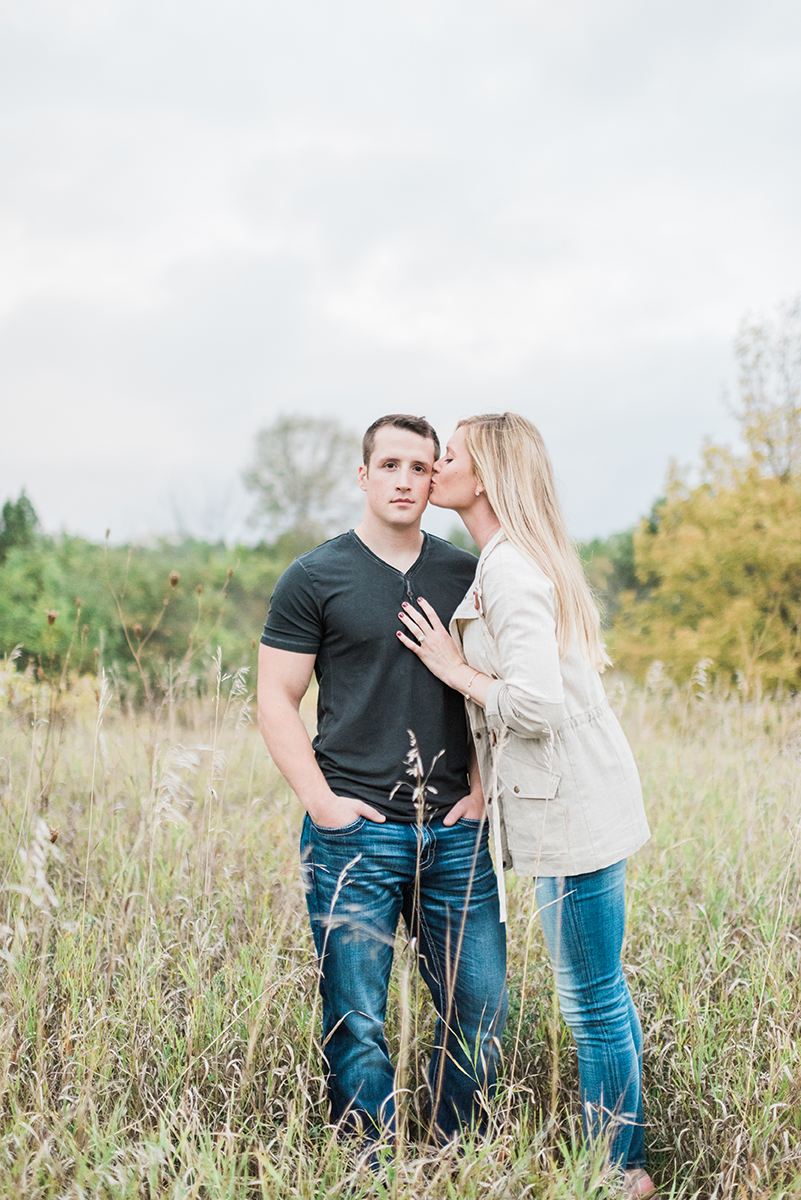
(525, 772)
(537, 832)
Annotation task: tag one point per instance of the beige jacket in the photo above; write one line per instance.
(548, 743)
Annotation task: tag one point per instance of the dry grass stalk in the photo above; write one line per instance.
(159, 1013)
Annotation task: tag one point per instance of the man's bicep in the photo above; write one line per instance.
(284, 674)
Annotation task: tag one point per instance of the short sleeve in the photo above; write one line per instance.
(295, 619)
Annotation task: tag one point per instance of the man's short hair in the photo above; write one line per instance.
(418, 425)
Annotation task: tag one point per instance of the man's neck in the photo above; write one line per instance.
(398, 547)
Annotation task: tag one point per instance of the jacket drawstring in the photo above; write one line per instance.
(495, 822)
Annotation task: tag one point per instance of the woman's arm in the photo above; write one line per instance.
(519, 603)
(520, 612)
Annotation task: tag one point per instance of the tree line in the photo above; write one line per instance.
(717, 565)
(711, 575)
(69, 606)
(145, 613)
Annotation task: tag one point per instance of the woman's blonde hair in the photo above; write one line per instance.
(510, 460)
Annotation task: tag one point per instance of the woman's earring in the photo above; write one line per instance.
(478, 491)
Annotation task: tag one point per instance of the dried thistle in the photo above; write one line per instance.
(51, 614)
(174, 578)
(655, 678)
(420, 788)
(137, 630)
(699, 680)
(34, 887)
(172, 784)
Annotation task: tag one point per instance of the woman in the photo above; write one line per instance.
(525, 650)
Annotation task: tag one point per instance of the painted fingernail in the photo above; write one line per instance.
(404, 605)
(419, 599)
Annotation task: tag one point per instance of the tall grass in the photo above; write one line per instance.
(159, 1026)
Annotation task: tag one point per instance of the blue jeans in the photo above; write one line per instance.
(359, 880)
(583, 918)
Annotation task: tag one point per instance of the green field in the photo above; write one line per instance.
(159, 1025)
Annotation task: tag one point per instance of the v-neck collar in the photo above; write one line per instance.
(383, 562)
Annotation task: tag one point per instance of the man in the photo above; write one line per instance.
(382, 837)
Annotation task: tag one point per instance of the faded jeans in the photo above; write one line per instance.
(583, 918)
(359, 881)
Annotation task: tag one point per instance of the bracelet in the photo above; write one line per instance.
(466, 692)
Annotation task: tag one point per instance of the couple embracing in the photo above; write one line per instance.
(494, 668)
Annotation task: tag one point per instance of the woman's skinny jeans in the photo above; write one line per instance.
(583, 918)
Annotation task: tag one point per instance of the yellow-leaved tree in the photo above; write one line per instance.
(720, 562)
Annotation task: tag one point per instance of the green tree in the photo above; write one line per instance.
(727, 560)
(303, 476)
(719, 564)
(69, 602)
(18, 524)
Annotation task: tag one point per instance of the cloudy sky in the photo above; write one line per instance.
(213, 213)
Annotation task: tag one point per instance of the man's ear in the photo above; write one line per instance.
(363, 477)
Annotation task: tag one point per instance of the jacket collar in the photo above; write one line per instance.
(500, 536)
(473, 604)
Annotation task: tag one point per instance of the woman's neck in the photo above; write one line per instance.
(481, 523)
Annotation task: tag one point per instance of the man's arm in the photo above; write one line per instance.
(284, 677)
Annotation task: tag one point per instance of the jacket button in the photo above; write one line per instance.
(517, 789)
(478, 737)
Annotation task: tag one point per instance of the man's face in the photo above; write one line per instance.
(398, 478)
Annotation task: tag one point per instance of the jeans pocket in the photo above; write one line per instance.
(471, 822)
(339, 830)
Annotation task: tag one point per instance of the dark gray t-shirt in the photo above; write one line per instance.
(341, 603)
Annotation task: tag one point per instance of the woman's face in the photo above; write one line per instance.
(454, 484)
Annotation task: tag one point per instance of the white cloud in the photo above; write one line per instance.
(214, 213)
